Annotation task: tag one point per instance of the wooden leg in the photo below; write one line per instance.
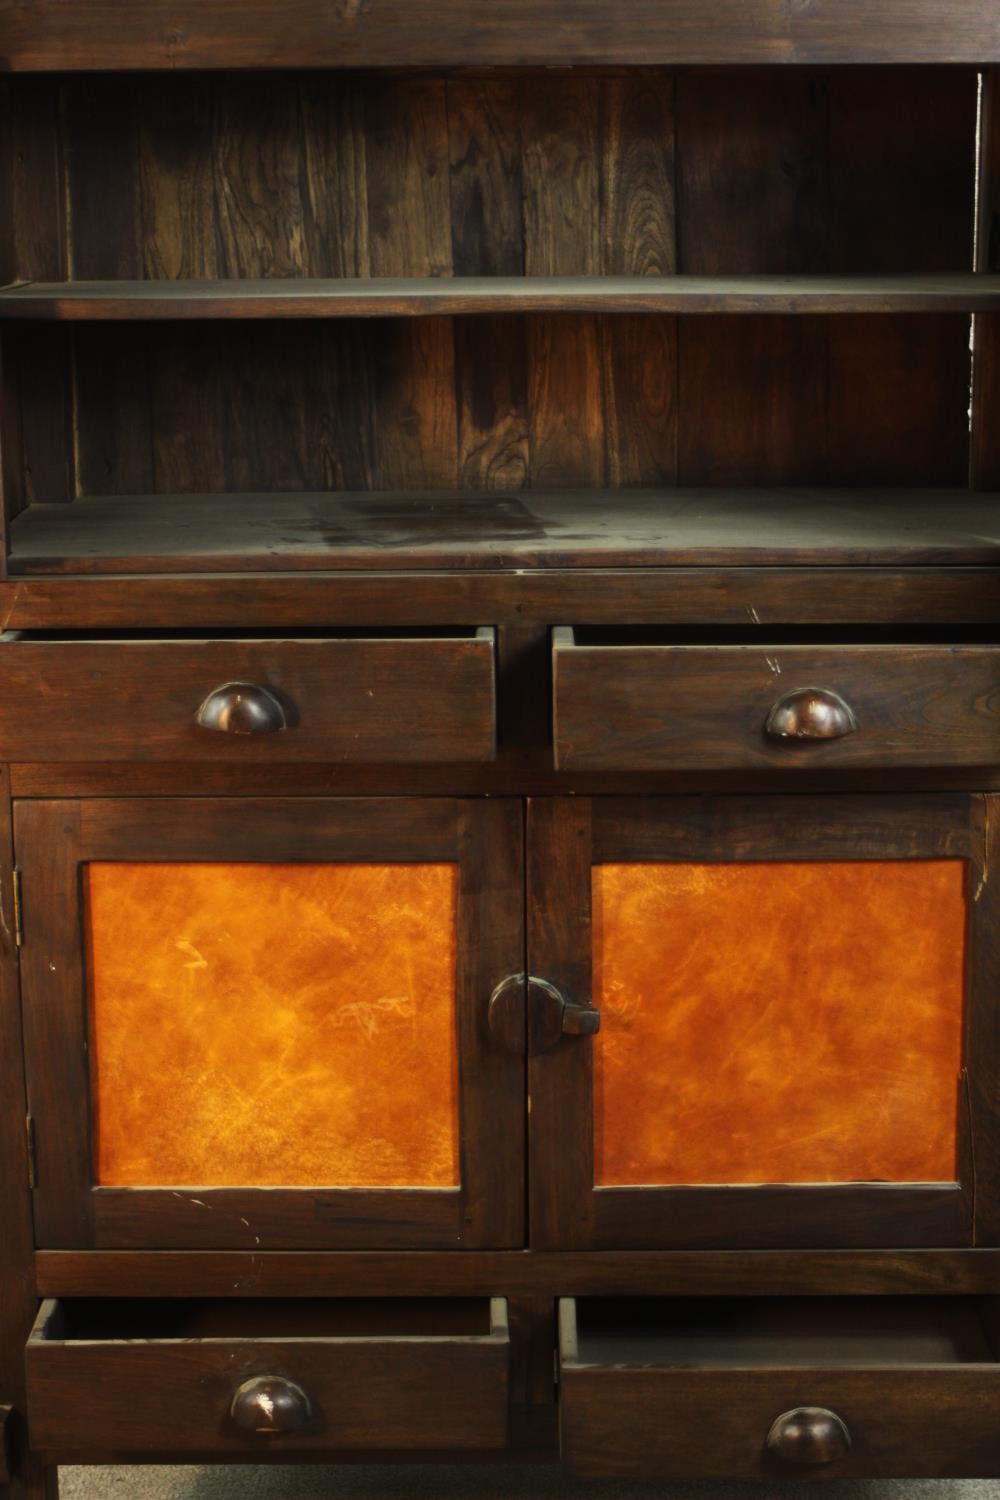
(35, 1482)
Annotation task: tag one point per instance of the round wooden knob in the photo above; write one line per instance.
(810, 714)
(270, 1403)
(242, 708)
(808, 1436)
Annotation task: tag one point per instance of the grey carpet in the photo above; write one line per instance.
(471, 1483)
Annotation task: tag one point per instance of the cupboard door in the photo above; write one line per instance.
(265, 1023)
(795, 1002)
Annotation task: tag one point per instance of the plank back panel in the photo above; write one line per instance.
(349, 174)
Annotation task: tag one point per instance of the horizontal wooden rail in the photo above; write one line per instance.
(122, 301)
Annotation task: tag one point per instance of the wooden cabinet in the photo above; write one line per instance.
(265, 1023)
(500, 733)
(795, 1002)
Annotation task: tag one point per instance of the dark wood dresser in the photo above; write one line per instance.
(500, 735)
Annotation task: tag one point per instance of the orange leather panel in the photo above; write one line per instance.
(273, 1025)
(778, 1022)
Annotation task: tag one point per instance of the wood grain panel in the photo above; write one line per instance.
(561, 133)
(487, 223)
(179, 34)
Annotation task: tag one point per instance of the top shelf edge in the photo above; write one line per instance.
(452, 296)
(120, 35)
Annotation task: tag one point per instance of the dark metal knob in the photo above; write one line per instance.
(270, 1403)
(242, 708)
(810, 714)
(552, 1016)
(808, 1436)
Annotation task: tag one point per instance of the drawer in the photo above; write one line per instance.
(379, 700)
(763, 1387)
(241, 1376)
(634, 706)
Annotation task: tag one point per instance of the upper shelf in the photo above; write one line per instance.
(357, 298)
(171, 34)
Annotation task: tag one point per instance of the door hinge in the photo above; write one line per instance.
(18, 911)
(29, 1127)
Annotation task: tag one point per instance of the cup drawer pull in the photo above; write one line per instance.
(242, 708)
(270, 1403)
(808, 1436)
(810, 714)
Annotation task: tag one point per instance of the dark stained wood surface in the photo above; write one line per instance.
(177, 34)
(385, 1273)
(132, 1394)
(86, 301)
(350, 700)
(649, 707)
(17, 1293)
(650, 596)
(432, 530)
(916, 1386)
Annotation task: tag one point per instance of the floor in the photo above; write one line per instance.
(433, 1483)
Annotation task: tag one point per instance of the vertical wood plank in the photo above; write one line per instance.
(38, 382)
(902, 163)
(638, 238)
(562, 225)
(335, 186)
(752, 190)
(753, 401)
(409, 234)
(984, 459)
(560, 1088)
(188, 408)
(982, 1019)
(487, 226)
(179, 237)
(114, 437)
(257, 169)
(17, 1290)
(102, 174)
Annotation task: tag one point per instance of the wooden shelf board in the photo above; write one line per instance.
(589, 528)
(178, 34)
(415, 297)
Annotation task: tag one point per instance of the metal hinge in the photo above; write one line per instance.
(29, 1127)
(18, 911)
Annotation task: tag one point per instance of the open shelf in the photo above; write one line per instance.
(355, 297)
(589, 528)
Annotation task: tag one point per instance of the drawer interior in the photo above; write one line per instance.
(104, 1319)
(744, 1332)
(767, 634)
(168, 637)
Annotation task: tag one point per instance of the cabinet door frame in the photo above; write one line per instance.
(54, 839)
(566, 837)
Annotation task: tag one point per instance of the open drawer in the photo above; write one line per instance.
(420, 697)
(789, 699)
(245, 1376)
(760, 1387)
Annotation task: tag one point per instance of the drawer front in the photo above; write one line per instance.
(647, 708)
(376, 701)
(878, 1408)
(714, 1424)
(251, 1395)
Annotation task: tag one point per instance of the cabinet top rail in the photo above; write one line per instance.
(37, 35)
(303, 298)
